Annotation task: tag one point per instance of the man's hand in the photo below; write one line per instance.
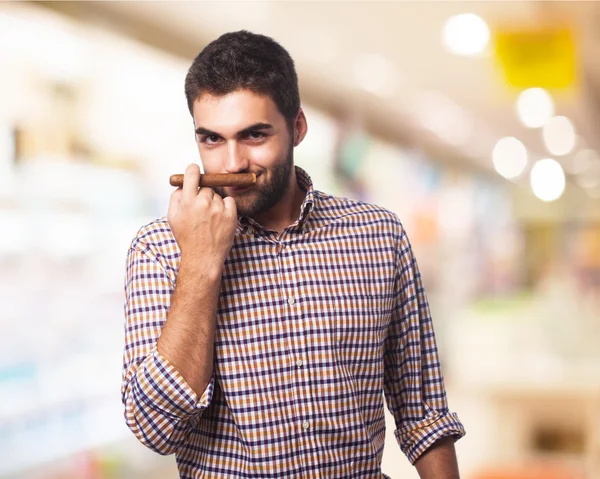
(439, 461)
(202, 222)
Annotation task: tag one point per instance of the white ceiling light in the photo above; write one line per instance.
(559, 135)
(465, 34)
(376, 74)
(509, 157)
(535, 107)
(547, 179)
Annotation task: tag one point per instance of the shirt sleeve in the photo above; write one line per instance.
(160, 406)
(413, 382)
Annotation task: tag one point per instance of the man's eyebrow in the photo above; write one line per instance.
(204, 131)
(256, 127)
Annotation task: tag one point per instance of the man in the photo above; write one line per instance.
(263, 324)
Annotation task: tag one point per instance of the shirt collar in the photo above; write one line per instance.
(305, 183)
(308, 205)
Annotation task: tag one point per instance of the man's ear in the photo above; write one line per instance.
(300, 127)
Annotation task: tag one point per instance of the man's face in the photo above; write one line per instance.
(244, 133)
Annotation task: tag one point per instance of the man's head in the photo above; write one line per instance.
(242, 91)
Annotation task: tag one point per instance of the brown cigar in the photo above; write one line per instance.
(219, 179)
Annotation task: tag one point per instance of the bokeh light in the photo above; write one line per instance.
(547, 179)
(509, 157)
(535, 107)
(466, 34)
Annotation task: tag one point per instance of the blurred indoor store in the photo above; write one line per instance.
(478, 123)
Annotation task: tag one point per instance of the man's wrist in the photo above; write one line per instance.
(439, 461)
(201, 268)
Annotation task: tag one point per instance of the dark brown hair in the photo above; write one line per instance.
(244, 60)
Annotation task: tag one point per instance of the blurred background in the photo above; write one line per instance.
(478, 123)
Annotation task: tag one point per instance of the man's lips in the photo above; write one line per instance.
(243, 188)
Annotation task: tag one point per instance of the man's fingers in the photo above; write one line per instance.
(230, 206)
(174, 202)
(191, 181)
(207, 193)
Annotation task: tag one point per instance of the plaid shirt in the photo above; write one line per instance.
(315, 326)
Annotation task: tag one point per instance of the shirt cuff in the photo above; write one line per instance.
(415, 438)
(163, 388)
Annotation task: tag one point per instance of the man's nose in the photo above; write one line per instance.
(237, 161)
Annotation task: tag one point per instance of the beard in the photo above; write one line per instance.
(262, 197)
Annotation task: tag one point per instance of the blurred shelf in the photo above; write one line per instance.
(31, 441)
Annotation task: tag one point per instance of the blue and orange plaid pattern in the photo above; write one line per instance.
(316, 327)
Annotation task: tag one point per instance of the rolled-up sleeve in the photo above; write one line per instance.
(160, 406)
(413, 382)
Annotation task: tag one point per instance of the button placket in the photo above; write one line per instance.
(335, 327)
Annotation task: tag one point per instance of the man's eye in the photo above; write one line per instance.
(210, 139)
(256, 135)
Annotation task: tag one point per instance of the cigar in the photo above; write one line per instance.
(218, 179)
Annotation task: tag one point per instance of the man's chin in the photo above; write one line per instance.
(239, 196)
(245, 206)
(239, 192)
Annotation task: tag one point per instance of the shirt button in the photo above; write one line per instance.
(299, 363)
(305, 425)
(291, 300)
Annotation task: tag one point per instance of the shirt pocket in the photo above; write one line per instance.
(359, 327)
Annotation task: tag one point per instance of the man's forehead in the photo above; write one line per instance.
(234, 111)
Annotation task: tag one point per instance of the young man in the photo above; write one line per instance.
(263, 324)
